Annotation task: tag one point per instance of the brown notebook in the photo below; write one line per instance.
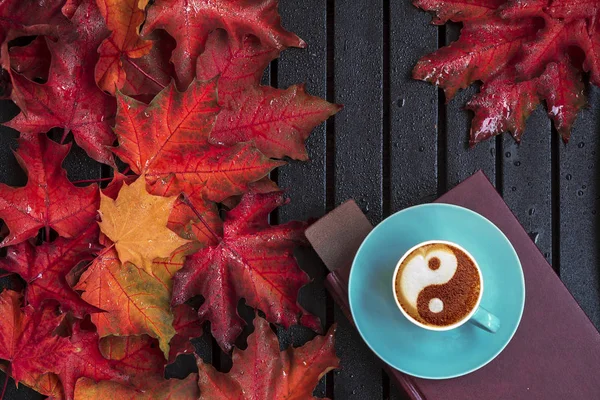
(555, 353)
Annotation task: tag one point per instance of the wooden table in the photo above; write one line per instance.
(397, 144)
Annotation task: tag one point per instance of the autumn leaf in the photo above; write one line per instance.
(21, 18)
(263, 372)
(193, 217)
(188, 326)
(137, 357)
(238, 65)
(174, 144)
(28, 341)
(135, 301)
(45, 267)
(83, 359)
(123, 18)
(190, 22)
(277, 121)
(137, 224)
(47, 385)
(520, 51)
(180, 389)
(48, 200)
(33, 60)
(151, 73)
(71, 99)
(254, 261)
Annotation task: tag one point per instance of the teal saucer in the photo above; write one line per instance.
(407, 347)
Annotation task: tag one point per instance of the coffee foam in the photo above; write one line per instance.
(417, 275)
(438, 284)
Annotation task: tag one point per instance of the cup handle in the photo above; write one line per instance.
(485, 320)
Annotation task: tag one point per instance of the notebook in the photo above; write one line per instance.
(555, 353)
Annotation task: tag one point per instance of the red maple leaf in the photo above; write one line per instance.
(71, 99)
(190, 22)
(188, 326)
(33, 60)
(263, 372)
(277, 121)
(25, 18)
(168, 139)
(151, 73)
(45, 267)
(29, 342)
(520, 50)
(48, 200)
(253, 260)
(136, 356)
(83, 359)
(27, 338)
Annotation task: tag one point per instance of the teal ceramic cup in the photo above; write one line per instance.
(479, 316)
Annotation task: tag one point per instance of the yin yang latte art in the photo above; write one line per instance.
(438, 284)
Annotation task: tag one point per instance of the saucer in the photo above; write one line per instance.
(407, 347)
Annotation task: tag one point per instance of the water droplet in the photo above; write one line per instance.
(569, 177)
(580, 193)
(401, 102)
(508, 154)
(534, 236)
(354, 392)
(514, 188)
(517, 163)
(580, 145)
(547, 255)
(583, 186)
(422, 149)
(531, 211)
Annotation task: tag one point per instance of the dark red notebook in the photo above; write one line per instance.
(555, 353)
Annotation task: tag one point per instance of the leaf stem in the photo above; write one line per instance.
(147, 75)
(64, 136)
(187, 201)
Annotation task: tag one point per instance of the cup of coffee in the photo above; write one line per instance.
(438, 286)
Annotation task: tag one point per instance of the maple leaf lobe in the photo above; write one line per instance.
(137, 224)
(290, 374)
(49, 199)
(254, 261)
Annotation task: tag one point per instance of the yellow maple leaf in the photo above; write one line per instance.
(137, 224)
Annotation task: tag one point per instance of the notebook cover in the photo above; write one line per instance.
(555, 353)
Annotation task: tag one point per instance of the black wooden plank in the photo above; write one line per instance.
(305, 182)
(358, 70)
(413, 112)
(580, 210)
(462, 161)
(414, 108)
(527, 179)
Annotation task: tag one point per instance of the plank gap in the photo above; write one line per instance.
(555, 199)
(386, 388)
(499, 159)
(330, 160)
(387, 122)
(442, 128)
